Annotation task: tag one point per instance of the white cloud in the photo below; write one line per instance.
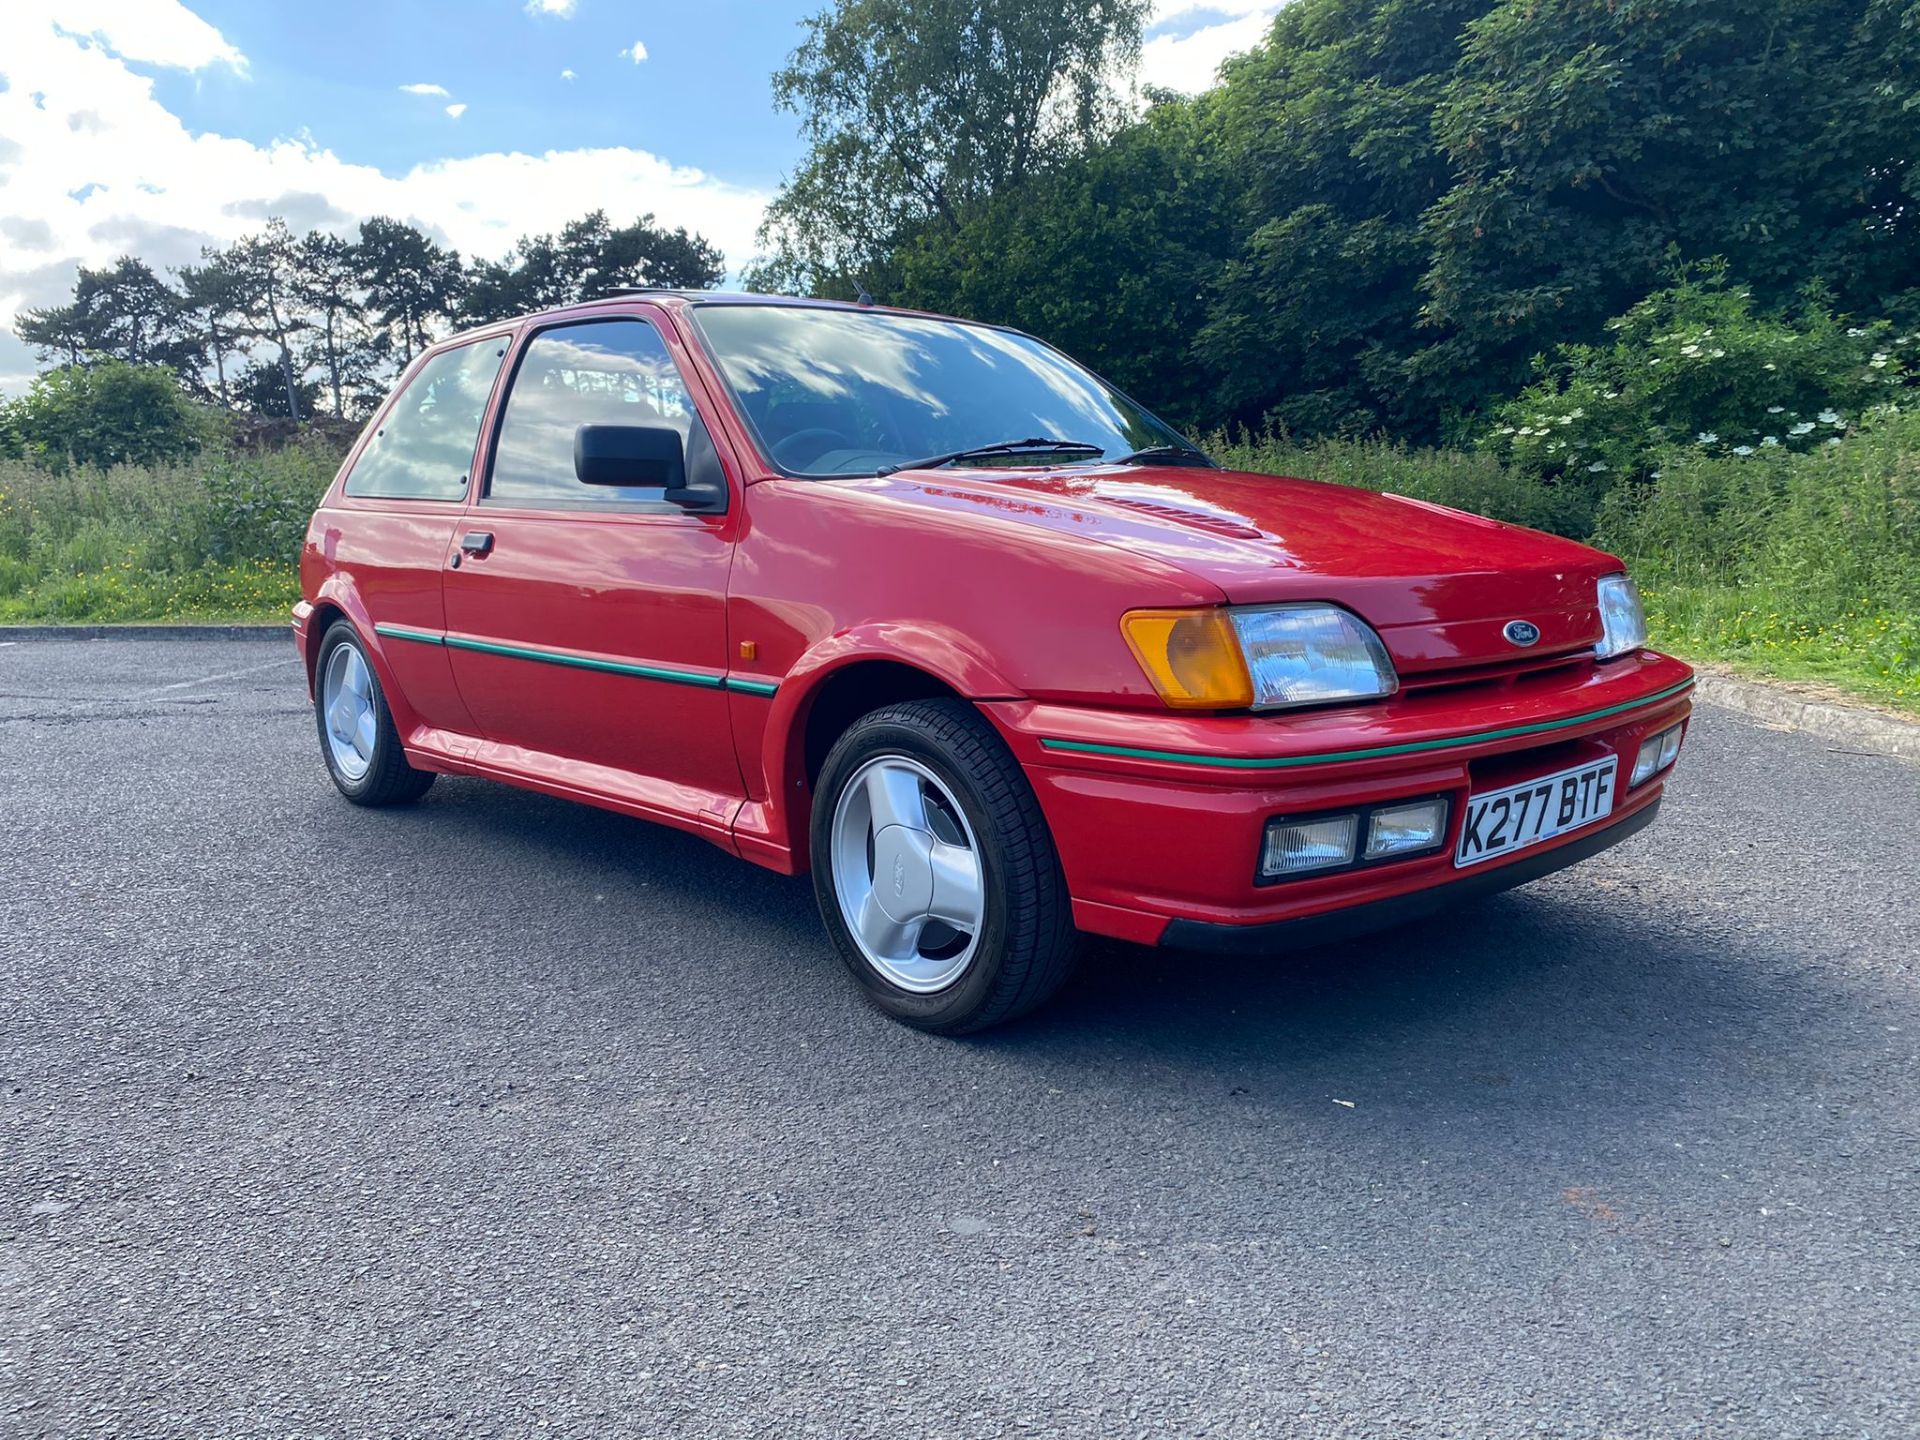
(153, 32)
(456, 111)
(561, 9)
(637, 53)
(1188, 39)
(567, 75)
(424, 89)
(93, 166)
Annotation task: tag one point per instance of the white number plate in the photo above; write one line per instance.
(1503, 821)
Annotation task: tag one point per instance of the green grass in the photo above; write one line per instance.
(1869, 652)
(246, 592)
(213, 539)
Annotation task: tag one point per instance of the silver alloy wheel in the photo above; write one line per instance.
(346, 701)
(907, 873)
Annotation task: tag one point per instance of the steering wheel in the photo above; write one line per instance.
(786, 452)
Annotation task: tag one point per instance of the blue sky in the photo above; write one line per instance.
(158, 127)
(701, 96)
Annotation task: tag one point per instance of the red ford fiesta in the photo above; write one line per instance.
(929, 610)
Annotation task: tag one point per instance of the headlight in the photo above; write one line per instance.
(1261, 658)
(1623, 619)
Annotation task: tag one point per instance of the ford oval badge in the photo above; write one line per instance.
(1522, 632)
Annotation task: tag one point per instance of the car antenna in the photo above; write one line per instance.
(864, 295)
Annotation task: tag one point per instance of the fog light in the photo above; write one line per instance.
(1406, 829)
(1299, 847)
(1657, 752)
(1669, 747)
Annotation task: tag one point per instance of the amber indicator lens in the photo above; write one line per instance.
(1191, 656)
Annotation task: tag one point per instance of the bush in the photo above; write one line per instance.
(106, 413)
(1693, 369)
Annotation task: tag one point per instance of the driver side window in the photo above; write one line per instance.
(599, 372)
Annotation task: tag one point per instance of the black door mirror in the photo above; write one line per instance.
(642, 456)
(637, 455)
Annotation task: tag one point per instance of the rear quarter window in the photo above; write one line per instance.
(424, 447)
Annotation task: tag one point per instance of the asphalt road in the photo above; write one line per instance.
(500, 1116)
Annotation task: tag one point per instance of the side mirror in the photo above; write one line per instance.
(644, 455)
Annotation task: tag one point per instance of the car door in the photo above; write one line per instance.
(402, 502)
(586, 624)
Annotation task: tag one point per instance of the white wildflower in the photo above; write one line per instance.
(1854, 333)
(1708, 437)
(1805, 427)
(1771, 442)
(1830, 417)
(1776, 409)
(1597, 467)
(1743, 449)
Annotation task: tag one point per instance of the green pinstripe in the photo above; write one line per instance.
(665, 674)
(1378, 752)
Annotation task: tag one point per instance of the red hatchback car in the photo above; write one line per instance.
(928, 609)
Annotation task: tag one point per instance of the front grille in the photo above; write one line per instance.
(1503, 673)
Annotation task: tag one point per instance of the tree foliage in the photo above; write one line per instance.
(589, 257)
(1109, 256)
(292, 325)
(1381, 215)
(917, 110)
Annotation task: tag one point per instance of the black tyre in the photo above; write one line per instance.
(934, 870)
(357, 738)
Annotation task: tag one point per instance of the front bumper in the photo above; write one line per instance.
(1372, 915)
(1158, 817)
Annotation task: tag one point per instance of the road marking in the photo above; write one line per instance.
(210, 679)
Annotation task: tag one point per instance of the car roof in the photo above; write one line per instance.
(681, 299)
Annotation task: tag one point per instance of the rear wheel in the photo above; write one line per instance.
(934, 870)
(357, 734)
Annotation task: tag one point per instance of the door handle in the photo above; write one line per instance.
(477, 543)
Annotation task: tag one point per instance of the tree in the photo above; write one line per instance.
(916, 110)
(124, 311)
(109, 412)
(261, 389)
(411, 282)
(266, 267)
(326, 281)
(1327, 131)
(1594, 142)
(59, 332)
(214, 297)
(588, 258)
(1110, 256)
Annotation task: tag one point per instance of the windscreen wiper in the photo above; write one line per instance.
(1005, 447)
(1169, 455)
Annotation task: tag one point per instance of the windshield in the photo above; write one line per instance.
(851, 392)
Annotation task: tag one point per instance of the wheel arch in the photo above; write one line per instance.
(821, 699)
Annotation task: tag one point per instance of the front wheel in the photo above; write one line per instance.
(357, 734)
(934, 870)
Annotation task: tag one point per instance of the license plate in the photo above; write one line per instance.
(1500, 822)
